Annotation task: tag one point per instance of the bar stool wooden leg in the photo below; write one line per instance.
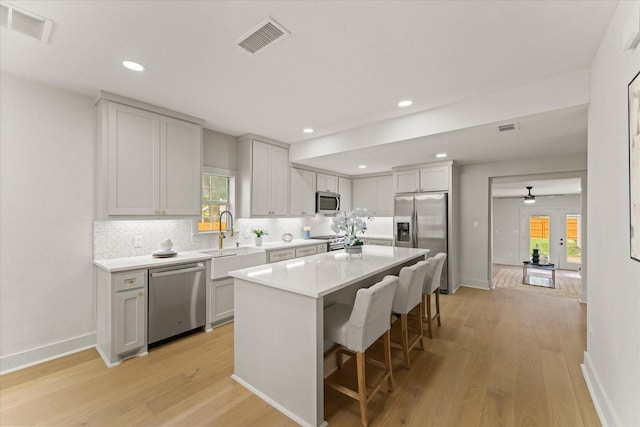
(438, 307)
(405, 339)
(420, 328)
(362, 388)
(387, 360)
(339, 358)
(428, 304)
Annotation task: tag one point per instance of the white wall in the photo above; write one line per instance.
(507, 224)
(47, 144)
(612, 359)
(475, 190)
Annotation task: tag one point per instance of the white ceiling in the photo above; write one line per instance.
(346, 64)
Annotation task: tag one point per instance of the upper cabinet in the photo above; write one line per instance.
(374, 193)
(149, 164)
(303, 192)
(328, 183)
(427, 178)
(264, 178)
(344, 188)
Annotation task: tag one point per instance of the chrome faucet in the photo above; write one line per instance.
(221, 234)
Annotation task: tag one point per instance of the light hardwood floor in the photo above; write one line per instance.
(501, 358)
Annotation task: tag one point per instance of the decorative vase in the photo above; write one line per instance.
(258, 241)
(353, 250)
(535, 257)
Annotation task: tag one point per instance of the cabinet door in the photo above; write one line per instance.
(269, 180)
(180, 167)
(434, 178)
(364, 193)
(130, 320)
(344, 188)
(302, 200)
(261, 179)
(133, 161)
(406, 181)
(384, 195)
(279, 181)
(221, 304)
(327, 183)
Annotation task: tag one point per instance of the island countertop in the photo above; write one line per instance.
(322, 274)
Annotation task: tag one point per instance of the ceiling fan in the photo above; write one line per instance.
(529, 197)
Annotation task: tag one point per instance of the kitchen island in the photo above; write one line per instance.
(279, 322)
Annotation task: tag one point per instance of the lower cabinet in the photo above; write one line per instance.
(221, 303)
(130, 320)
(121, 314)
(378, 242)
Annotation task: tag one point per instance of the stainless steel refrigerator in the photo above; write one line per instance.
(420, 221)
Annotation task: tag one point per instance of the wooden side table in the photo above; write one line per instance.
(530, 278)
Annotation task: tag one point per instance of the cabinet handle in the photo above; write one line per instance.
(163, 212)
(141, 294)
(130, 281)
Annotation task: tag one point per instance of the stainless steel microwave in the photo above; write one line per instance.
(327, 202)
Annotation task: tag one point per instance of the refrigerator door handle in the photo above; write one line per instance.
(415, 228)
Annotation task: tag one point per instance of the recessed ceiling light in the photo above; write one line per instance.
(307, 130)
(134, 66)
(405, 103)
(362, 166)
(440, 155)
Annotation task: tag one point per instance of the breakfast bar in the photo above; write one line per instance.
(278, 331)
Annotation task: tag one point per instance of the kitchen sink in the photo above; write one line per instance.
(229, 259)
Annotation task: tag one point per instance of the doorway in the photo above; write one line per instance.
(556, 234)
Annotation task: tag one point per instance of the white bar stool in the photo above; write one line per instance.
(408, 296)
(432, 286)
(354, 329)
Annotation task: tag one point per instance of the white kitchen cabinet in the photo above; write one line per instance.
(269, 180)
(303, 192)
(344, 188)
(378, 242)
(121, 315)
(276, 255)
(328, 183)
(306, 251)
(130, 320)
(428, 178)
(374, 193)
(221, 303)
(148, 164)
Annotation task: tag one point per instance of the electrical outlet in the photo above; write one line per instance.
(137, 242)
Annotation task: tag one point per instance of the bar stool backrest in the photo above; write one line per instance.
(371, 315)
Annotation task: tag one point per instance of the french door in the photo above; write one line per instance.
(556, 234)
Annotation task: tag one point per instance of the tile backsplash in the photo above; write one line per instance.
(116, 239)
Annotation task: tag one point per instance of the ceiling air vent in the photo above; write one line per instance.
(264, 34)
(507, 127)
(26, 23)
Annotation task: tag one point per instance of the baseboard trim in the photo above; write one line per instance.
(603, 406)
(35, 356)
(272, 402)
(473, 283)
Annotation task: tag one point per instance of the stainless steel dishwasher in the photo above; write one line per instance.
(177, 300)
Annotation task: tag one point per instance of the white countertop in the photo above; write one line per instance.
(147, 261)
(321, 274)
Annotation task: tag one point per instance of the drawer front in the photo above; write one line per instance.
(281, 255)
(321, 248)
(306, 251)
(130, 280)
